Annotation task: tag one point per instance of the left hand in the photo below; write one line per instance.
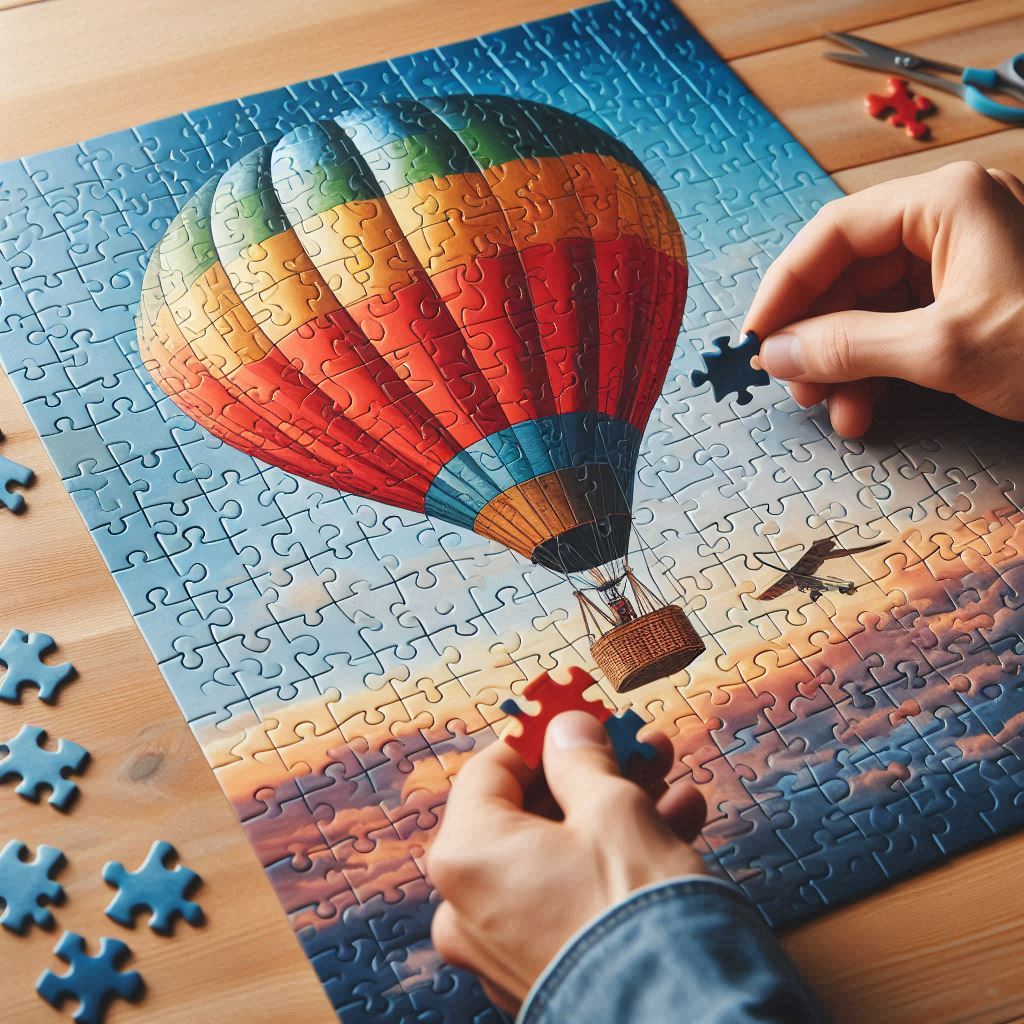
(518, 882)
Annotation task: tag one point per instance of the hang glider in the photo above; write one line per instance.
(802, 575)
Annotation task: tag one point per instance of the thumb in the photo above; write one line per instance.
(851, 345)
(579, 762)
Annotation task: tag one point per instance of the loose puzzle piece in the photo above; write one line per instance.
(155, 886)
(907, 109)
(729, 369)
(26, 885)
(553, 698)
(39, 767)
(95, 981)
(622, 731)
(22, 654)
(12, 473)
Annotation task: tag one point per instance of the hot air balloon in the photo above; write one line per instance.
(462, 306)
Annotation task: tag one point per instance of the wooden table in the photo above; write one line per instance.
(945, 946)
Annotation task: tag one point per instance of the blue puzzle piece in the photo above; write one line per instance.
(39, 767)
(13, 473)
(93, 980)
(729, 369)
(154, 886)
(25, 885)
(22, 655)
(622, 730)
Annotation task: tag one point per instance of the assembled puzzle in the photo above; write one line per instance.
(390, 391)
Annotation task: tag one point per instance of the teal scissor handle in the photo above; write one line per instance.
(976, 79)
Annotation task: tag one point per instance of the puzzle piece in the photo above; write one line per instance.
(26, 885)
(22, 654)
(623, 729)
(907, 109)
(729, 369)
(95, 981)
(155, 886)
(554, 698)
(12, 473)
(39, 767)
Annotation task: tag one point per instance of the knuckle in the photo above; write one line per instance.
(837, 346)
(968, 177)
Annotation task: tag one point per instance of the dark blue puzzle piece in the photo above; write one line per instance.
(93, 980)
(729, 370)
(22, 655)
(40, 767)
(25, 885)
(154, 886)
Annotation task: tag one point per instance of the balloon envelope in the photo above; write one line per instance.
(462, 306)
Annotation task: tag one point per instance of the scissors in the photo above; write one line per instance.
(1007, 78)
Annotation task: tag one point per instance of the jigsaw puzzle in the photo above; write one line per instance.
(406, 419)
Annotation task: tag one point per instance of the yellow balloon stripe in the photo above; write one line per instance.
(367, 249)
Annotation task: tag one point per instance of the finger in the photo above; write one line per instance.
(579, 762)
(684, 810)
(649, 775)
(851, 345)
(496, 777)
(865, 225)
(851, 407)
(1009, 181)
(808, 394)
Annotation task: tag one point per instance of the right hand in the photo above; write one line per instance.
(920, 278)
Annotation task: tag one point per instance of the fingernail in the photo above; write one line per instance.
(573, 729)
(782, 356)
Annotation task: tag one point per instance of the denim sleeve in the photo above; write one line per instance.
(690, 951)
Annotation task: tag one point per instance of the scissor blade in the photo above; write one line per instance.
(861, 60)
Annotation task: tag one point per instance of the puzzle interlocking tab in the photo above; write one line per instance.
(154, 885)
(355, 384)
(21, 655)
(26, 886)
(27, 757)
(95, 981)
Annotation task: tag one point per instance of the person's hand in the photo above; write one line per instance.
(517, 884)
(920, 278)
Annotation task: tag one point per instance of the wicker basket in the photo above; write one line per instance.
(648, 648)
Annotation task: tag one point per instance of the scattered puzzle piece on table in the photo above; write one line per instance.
(554, 698)
(22, 654)
(93, 980)
(25, 885)
(907, 109)
(12, 473)
(40, 767)
(729, 370)
(154, 886)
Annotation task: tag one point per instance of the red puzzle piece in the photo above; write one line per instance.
(907, 110)
(554, 698)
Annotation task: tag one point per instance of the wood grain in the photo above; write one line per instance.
(942, 947)
(737, 28)
(1003, 149)
(821, 101)
(147, 780)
